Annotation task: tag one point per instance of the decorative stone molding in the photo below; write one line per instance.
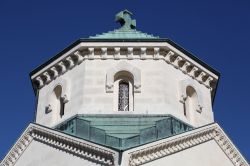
(62, 67)
(169, 56)
(159, 53)
(130, 53)
(64, 95)
(117, 53)
(55, 139)
(156, 53)
(104, 53)
(91, 53)
(79, 57)
(54, 71)
(184, 141)
(64, 98)
(183, 93)
(143, 53)
(70, 62)
(127, 67)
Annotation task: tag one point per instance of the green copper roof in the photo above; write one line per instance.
(126, 31)
(123, 131)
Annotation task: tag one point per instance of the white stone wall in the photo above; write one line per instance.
(38, 154)
(160, 92)
(160, 86)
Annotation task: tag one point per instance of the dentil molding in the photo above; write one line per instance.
(125, 53)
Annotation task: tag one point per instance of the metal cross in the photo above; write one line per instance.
(124, 18)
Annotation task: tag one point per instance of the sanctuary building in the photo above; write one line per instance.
(124, 98)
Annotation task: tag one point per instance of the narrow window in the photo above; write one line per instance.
(62, 104)
(123, 97)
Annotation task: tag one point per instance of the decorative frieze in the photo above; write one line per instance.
(60, 141)
(164, 148)
(179, 62)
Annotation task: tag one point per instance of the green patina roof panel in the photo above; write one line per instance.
(123, 131)
(126, 31)
(124, 34)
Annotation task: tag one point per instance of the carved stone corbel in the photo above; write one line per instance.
(130, 53)
(143, 53)
(137, 88)
(91, 53)
(168, 57)
(109, 88)
(201, 77)
(183, 98)
(156, 53)
(54, 71)
(62, 67)
(70, 62)
(117, 53)
(64, 98)
(176, 62)
(40, 81)
(185, 66)
(193, 71)
(47, 77)
(104, 53)
(79, 57)
(207, 82)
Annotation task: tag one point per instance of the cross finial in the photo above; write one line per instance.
(124, 18)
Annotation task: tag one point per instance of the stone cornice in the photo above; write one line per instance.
(121, 51)
(75, 146)
(184, 141)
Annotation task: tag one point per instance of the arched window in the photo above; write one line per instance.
(123, 96)
(191, 103)
(123, 91)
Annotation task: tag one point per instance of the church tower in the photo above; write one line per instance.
(124, 98)
(125, 72)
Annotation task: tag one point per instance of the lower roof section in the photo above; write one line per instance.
(123, 131)
(148, 154)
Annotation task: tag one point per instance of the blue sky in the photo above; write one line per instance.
(218, 32)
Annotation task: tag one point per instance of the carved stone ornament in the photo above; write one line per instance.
(48, 109)
(171, 57)
(55, 139)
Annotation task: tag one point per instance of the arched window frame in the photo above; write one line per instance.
(183, 93)
(126, 77)
(64, 98)
(123, 66)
